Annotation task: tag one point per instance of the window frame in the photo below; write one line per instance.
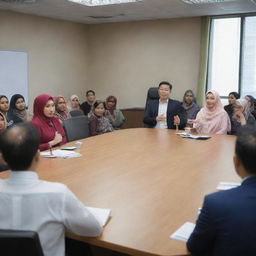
(243, 16)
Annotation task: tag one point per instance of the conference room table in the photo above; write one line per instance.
(153, 180)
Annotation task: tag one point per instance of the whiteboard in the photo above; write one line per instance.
(14, 73)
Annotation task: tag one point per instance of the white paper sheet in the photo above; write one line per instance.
(184, 232)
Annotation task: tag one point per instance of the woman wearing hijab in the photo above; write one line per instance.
(17, 111)
(252, 104)
(241, 115)
(212, 118)
(61, 111)
(49, 127)
(4, 105)
(189, 104)
(3, 125)
(98, 123)
(3, 122)
(114, 115)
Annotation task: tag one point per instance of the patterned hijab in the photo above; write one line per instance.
(62, 115)
(22, 114)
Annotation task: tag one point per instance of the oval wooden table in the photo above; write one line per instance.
(153, 180)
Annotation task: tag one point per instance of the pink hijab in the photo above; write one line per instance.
(214, 120)
(217, 109)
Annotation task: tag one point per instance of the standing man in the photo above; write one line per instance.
(28, 203)
(87, 105)
(226, 225)
(165, 112)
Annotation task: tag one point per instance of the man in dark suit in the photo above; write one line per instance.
(227, 222)
(165, 113)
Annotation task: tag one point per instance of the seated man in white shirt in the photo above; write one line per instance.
(28, 203)
(165, 112)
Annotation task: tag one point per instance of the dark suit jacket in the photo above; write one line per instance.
(174, 108)
(226, 225)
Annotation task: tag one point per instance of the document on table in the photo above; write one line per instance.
(58, 153)
(227, 185)
(191, 136)
(184, 232)
(101, 214)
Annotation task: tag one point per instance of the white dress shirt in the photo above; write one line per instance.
(162, 110)
(28, 203)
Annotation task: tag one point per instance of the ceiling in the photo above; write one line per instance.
(143, 10)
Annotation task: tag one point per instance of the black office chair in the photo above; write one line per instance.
(16, 242)
(76, 127)
(76, 113)
(151, 95)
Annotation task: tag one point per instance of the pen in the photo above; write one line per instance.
(50, 150)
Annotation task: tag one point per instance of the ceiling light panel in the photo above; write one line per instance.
(102, 2)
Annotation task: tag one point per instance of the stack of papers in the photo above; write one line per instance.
(191, 136)
(227, 185)
(60, 154)
(101, 214)
(184, 232)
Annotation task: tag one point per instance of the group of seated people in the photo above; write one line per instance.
(212, 118)
(49, 112)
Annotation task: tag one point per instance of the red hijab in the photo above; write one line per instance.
(47, 126)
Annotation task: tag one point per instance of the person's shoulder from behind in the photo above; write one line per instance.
(52, 187)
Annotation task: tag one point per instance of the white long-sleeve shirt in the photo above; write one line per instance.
(28, 203)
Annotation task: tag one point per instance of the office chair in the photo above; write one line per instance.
(151, 95)
(76, 127)
(16, 242)
(75, 113)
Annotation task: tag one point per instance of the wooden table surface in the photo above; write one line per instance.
(153, 180)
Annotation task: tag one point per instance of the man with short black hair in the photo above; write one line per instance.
(28, 203)
(226, 225)
(165, 113)
(87, 105)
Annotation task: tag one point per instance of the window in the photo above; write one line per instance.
(232, 55)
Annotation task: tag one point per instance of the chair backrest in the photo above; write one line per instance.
(152, 94)
(76, 127)
(76, 113)
(16, 242)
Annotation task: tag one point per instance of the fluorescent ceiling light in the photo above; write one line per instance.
(203, 1)
(102, 2)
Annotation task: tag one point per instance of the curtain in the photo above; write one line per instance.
(204, 52)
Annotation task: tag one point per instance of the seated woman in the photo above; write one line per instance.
(3, 122)
(212, 118)
(61, 110)
(114, 115)
(17, 112)
(49, 127)
(252, 104)
(189, 104)
(232, 97)
(98, 123)
(73, 103)
(3, 125)
(4, 106)
(241, 115)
